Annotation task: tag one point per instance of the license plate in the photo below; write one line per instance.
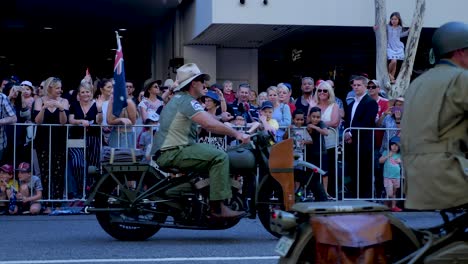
(284, 245)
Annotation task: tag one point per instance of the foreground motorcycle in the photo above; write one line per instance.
(132, 200)
(365, 232)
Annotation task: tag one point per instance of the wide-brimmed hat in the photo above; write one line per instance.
(186, 73)
(7, 168)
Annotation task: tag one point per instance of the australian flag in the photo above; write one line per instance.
(120, 90)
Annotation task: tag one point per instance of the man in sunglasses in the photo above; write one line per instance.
(373, 90)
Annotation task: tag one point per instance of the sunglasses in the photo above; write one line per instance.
(322, 91)
(371, 87)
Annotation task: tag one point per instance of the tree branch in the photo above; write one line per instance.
(404, 76)
(381, 44)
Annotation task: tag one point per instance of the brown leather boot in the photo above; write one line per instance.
(221, 211)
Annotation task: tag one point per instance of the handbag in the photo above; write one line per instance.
(30, 133)
(330, 139)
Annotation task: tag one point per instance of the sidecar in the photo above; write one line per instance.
(343, 227)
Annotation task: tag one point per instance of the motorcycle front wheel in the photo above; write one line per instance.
(119, 216)
(270, 197)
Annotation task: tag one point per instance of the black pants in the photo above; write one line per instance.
(359, 168)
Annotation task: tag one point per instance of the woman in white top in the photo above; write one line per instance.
(104, 91)
(325, 100)
(150, 103)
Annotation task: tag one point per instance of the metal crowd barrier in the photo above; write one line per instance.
(131, 138)
(347, 175)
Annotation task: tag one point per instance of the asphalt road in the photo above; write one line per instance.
(79, 239)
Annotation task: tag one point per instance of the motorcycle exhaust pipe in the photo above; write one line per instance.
(90, 210)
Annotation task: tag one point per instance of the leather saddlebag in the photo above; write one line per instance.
(351, 239)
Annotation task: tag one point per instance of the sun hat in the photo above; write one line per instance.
(186, 73)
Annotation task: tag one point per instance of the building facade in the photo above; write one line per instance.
(266, 41)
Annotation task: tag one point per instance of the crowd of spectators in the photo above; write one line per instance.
(315, 120)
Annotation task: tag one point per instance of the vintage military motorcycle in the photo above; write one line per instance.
(133, 200)
(366, 232)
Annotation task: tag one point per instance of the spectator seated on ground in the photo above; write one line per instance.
(8, 188)
(30, 190)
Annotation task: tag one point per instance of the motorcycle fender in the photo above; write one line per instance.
(281, 165)
(303, 237)
(396, 223)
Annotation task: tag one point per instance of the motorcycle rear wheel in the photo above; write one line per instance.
(270, 198)
(134, 223)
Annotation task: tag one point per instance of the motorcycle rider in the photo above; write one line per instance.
(175, 144)
(434, 127)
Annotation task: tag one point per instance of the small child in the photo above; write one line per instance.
(317, 130)
(229, 94)
(145, 140)
(299, 134)
(30, 190)
(8, 187)
(266, 117)
(238, 122)
(392, 171)
(395, 48)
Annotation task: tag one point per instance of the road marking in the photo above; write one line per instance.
(138, 260)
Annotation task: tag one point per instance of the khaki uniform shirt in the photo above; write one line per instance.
(434, 136)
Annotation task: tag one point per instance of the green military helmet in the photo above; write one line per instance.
(450, 37)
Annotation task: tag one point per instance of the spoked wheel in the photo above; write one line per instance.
(269, 198)
(120, 215)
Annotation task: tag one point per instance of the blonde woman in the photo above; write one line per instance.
(84, 113)
(281, 112)
(51, 109)
(325, 98)
(284, 96)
